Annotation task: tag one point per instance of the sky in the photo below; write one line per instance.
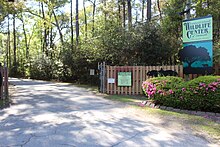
(67, 6)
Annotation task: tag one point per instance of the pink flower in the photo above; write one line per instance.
(160, 91)
(171, 91)
(202, 85)
(183, 89)
(213, 89)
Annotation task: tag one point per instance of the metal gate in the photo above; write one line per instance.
(102, 77)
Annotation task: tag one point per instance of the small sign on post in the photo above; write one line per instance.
(92, 72)
(111, 80)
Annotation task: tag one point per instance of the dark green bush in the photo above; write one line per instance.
(42, 69)
(200, 94)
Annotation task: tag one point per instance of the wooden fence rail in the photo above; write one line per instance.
(139, 74)
(4, 85)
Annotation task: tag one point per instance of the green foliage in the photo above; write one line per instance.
(107, 37)
(200, 94)
(42, 69)
(160, 85)
(204, 8)
(216, 52)
(202, 79)
(151, 44)
(143, 42)
(166, 83)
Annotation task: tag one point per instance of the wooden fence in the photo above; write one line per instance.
(4, 86)
(139, 74)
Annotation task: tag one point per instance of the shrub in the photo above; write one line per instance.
(42, 69)
(202, 79)
(160, 85)
(201, 94)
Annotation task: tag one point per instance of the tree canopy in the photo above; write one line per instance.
(63, 39)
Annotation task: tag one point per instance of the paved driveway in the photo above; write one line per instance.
(57, 115)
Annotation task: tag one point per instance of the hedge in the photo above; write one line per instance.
(200, 94)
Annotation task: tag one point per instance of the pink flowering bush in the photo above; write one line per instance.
(160, 86)
(201, 94)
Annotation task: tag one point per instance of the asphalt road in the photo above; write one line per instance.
(46, 114)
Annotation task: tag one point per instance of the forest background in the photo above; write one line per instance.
(63, 39)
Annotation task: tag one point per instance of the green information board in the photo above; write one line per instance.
(124, 79)
(199, 29)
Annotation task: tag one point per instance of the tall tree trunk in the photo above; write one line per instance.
(25, 37)
(15, 45)
(71, 23)
(124, 13)
(159, 9)
(105, 14)
(129, 14)
(45, 30)
(207, 3)
(119, 11)
(9, 44)
(93, 17)
(51, 43)
(218, 26)
(142, 11)
(149, 10)
(77, 23)
(58, 28)
(136, 18)
(85, 17)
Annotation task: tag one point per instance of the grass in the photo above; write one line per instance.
(125, 98)
(88, 87)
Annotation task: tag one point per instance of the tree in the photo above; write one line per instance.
(93, 15)
(191, 54)
(45, 44)
(25, 36)
(109, 33)
(204, 8)
(71, 23)
(77, 23)
(149, 10)
(142, 10)
(129, 14)
(14, 45)
(159, 9)
(85, 17)
(124, 12)
(8, 45)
